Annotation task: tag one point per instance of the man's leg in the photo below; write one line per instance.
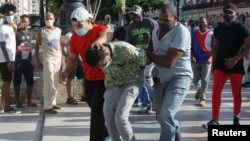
(94, 97)
(175, 92)
(29, 77)
(236, 80)
(128, 96)
(6, 77)
(197, 71)
(205, 77)
(17, 81)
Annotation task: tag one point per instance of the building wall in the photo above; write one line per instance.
(23, 7)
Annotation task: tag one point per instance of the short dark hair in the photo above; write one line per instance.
(167, 8)
(24, 16)
(94, 55)
(7, 7)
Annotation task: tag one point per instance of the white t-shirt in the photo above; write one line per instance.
(7, 35)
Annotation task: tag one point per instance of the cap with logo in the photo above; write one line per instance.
(80, 14)
(230, 7)
(136, 9)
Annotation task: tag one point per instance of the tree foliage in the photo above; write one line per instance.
(101, 7)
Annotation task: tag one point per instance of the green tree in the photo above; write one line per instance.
(54, 6)
(99, 8)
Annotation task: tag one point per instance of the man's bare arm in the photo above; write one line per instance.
(168, 60)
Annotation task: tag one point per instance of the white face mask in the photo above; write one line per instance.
(110, 60)
(49, 23)
(9, 19)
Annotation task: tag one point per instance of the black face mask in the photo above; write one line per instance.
(165, 28)
(228, 18)
(135, 18)
(202, 26)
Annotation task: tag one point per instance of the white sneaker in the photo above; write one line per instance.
(1, 111)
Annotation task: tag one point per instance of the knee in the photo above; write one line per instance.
(119, 120)
(164, 118)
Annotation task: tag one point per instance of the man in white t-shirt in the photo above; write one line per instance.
(7, 54)
(107, 22)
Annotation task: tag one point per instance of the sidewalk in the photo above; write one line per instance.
(72, 121)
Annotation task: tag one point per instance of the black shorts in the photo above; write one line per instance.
(27, 71)
(5, 73)
(78, 71)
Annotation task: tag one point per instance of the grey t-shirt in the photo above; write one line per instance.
(179, 37)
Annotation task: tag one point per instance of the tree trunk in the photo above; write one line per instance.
(93, 7)
(121, 4)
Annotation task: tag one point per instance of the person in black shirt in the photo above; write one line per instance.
(228, 53)
(23, 62)
(139, 34)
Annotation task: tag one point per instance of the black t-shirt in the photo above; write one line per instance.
(231, 39)
(120, 33)
(24, 47)
(139, 34)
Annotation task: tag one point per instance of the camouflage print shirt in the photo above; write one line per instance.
(125, 66)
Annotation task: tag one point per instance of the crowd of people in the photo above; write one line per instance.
(154, 62)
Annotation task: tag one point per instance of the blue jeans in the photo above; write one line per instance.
(168, 100)
(146, 96)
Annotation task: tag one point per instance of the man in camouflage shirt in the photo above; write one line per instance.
(121, 64)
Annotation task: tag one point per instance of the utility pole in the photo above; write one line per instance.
(177, 6)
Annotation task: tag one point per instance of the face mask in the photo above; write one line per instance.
(202, 26)
(82, 31)
(135, 18)
(110, 60)
(228, 18)
(9, 19)
(165, 28)
(49, 23)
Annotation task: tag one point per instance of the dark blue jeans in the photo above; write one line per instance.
(146, 96)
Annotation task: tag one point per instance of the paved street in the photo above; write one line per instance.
(72, 122)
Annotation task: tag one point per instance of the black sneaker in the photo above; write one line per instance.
(12, 110)
(211, 122)
(83, 99)
(236, 121)
(19, 105)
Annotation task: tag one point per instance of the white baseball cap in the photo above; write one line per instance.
(80, 14)
(107, 16)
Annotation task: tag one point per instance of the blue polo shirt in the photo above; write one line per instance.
(179, 37)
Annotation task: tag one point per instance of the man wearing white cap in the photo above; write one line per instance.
(87, 34)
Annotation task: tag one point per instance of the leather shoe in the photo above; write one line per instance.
(56, 107)
(50, 111)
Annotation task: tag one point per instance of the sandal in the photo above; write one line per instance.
(32, 104)
(72, 101)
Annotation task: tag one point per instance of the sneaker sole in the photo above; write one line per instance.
(204, 126)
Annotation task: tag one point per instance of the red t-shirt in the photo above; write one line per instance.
(79, 45)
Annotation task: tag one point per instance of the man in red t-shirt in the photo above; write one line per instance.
(85, 35)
